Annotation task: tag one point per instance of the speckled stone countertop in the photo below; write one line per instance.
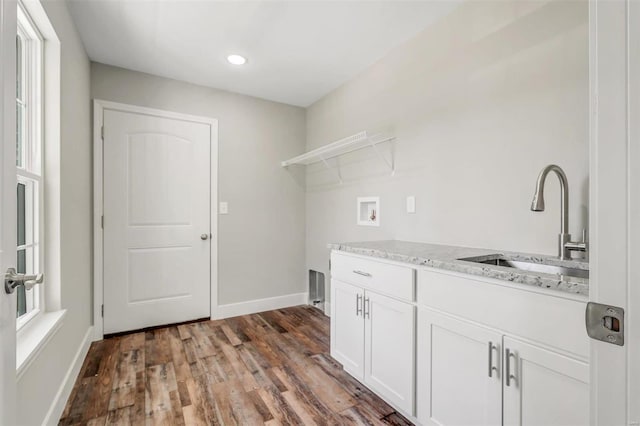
(449, 258)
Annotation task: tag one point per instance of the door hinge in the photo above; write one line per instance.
(329, 264)
(102, 311)
(102, 132)
(102, 221)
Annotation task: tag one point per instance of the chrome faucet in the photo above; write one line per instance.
(565, 245)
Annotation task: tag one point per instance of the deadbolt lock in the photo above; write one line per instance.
(605, 322)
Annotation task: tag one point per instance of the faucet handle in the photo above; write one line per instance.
(582, 245)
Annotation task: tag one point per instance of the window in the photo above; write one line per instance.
(28, 162)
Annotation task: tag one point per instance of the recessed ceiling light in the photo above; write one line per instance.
(237, 59)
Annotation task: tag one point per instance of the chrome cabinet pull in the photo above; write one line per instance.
(508, 375)
(367, 307)
(364, 274)
(491, 367)
(358, 305)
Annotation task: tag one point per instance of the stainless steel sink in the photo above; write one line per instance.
(530, 266)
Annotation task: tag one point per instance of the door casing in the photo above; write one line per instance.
(99, 106)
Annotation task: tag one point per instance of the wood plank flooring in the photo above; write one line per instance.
(271, 368)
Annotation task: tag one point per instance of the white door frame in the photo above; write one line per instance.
(99, 106)
(614, 67)
(633, 324)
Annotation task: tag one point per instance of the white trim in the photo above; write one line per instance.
(23, 320)
(261, 305)
(34, 336)
(60, 400)
(327, 309)
(116, 106)
(32, 169)
(99, 106)
(97, 220)
(633, 310)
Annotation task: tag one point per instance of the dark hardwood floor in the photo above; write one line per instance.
(270, 368)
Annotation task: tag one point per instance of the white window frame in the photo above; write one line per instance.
(31, 172)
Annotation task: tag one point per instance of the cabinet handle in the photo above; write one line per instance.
(364, 274)
(358, 305)
(367, 308)
(491, 367)
(508, 375)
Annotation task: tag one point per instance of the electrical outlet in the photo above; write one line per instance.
(224, 207)
(411, 204)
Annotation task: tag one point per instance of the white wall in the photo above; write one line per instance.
(38, 386)
(261, 240)
(479, 102)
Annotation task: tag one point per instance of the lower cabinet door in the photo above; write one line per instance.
(390, 349)
(545, 387)
(347, 327)
(458, 371)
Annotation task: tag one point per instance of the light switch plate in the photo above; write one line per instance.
(411, 204)
(224, 207)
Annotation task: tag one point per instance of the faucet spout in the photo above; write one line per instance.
(537, 205)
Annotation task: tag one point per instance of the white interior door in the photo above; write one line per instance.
(8, 16)
(614, 203)
(157, 230)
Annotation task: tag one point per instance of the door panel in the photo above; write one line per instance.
(156, 207)
(614, 67)
(157, 192)
(347, 327)
(389, 349)
(454, 385)
(548, 388)
(8, 231)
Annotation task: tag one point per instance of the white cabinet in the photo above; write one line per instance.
(347, 327)
(539, 348)
(459, 372)
(469, 374)
(544, 387)
(450, 367)
(390, 349)
(373, 328)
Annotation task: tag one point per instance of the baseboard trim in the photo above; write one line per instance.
(60, 400)
(260, 305)
(327, 308)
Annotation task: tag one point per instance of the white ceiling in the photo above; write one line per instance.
(298, 51)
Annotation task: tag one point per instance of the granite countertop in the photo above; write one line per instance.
(448, 258)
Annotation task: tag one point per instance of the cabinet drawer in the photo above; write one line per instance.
(386, 278)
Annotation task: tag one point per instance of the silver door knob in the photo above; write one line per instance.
(204, 236)
(12, 279)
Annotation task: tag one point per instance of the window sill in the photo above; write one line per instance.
(33, 337)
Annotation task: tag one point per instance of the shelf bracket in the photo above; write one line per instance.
(336, 168)
(391, 164)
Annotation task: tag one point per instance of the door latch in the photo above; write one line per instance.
(605, 322)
